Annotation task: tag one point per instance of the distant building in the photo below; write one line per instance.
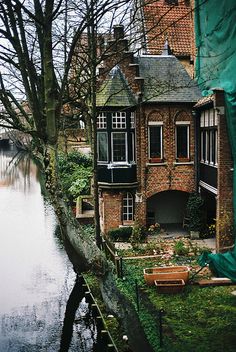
(162, 20)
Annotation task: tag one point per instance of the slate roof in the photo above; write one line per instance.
(166, 80)
(115, 90)
(172, 22)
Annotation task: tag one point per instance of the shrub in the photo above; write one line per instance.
(75, 170)
(154, 229)
(139, 234)
(180, 249)
(122, 234)
(194, 210)
(88, 230)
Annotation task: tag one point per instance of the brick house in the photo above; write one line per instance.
(146, 137)
(215, 166)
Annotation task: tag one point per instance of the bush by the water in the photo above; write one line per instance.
(75, 170)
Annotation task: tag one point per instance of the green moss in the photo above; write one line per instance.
(113, 325)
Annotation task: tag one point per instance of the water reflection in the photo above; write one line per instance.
(85, 327)
(37, 279)
(16, 169)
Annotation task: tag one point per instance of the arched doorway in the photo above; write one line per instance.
(167, 207)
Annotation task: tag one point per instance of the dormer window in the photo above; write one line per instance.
(119, 120)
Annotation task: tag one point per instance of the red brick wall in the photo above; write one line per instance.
(111, 209)
(224, 218)
(169, 175)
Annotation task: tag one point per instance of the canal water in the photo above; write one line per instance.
(41, 304)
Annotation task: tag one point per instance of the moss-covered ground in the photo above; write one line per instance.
(195, 320)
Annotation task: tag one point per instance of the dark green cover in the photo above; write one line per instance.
(215, 31)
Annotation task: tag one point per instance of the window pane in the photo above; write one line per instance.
(128, 208)
(132, 147)
(204, 149)
(119, 120)
(182, 141)
(102, 120)
(119, 146)
(132, 120)
(102, 146)
(155, 142)
(216, 147)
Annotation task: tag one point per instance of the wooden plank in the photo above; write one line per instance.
(216, 282)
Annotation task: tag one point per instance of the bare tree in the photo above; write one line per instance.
(38, 40)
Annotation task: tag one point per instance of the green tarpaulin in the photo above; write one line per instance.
(215, 34)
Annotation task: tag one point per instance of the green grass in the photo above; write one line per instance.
(197, 320)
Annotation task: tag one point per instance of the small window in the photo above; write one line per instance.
(119, 120)
(119, 147)
(182, 142)
(102, 146)
(132, 120)
(102, 121)
(155, 142)
(128, 207)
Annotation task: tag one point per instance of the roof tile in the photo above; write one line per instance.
(115, 90)
(166, 80)
(172, 22)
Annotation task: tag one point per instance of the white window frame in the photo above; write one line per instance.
(207, 157)
(211, 131)
(128, 207)
(185, 124)
(216, 147)
(202, 144)
(119, 120)
(202, 119)
(102, 120)
(155, 124)
(207, 147)
(132, 120)
(126, 148)
(133, 146)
